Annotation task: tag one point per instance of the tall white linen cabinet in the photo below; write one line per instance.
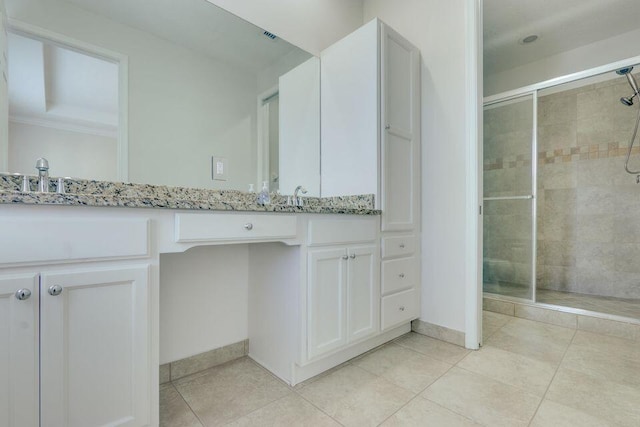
(370, 125)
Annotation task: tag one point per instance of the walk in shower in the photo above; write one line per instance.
(561, 214)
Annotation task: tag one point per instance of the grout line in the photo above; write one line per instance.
(418, 395)
(315, 406)
(554, 376)
(257, 409)
(187, 403)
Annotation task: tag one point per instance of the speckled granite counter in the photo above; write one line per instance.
(117, 194)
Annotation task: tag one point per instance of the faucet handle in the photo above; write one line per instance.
(60, 189)
(26, 184)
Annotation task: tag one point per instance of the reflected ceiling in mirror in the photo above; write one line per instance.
(193, 81)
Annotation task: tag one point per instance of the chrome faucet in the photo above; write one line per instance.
(297, 200)
(43, 175)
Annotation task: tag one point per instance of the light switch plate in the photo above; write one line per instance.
(219, 168)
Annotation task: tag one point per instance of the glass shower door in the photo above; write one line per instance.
(509, 225)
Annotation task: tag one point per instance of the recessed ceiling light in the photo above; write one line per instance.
(529, 39)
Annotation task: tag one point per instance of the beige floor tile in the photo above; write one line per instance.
(230, 391)
(403, 367)
(492, 322)
(609, 327)
(422, 412)
(552, 414)
(529, 374)
(305, 383)
(174, 411)
(607, 344)
(439, 350)
(483, 399)
(355, 397)
(600, 398)
(602, 357)
(537, 340)
(289, 411)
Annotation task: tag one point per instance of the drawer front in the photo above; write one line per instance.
(54, 240)
(325, 232)
(399, 274)
(399, 246)
(399, 308)
(235, 227)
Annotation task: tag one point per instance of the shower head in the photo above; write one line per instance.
(632, 82)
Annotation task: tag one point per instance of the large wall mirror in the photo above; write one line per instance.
(159, 92)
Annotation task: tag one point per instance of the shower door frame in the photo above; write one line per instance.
(532, 196)
(532, 90)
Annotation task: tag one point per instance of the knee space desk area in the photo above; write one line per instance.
(84, 346)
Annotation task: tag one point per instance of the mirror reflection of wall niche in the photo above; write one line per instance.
(63, 105)
(194, 75)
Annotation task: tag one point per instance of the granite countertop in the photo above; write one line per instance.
(117, 194)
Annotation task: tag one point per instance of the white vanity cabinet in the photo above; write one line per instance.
(342, 295)
(18, 350)
(86, 332)
(75, 320)
(371, 144)
(94, 347)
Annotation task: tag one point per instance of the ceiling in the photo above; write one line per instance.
(561, 25)
(197, 25)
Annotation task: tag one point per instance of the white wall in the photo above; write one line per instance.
(309, 24)
(74, 154)
(182, 105)
(592, 55)
(203, 300)
(438, 28)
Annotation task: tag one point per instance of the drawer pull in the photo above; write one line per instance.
(345, 256)
(23, 294)
(352, 256)
(55, 290)
(401, 275)
(401, 245)
(248, 226)
(401, 308)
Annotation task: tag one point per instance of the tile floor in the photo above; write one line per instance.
(527, 374)
(626, 307)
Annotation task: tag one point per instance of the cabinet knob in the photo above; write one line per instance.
(345, 256)
(401, 275)
(401, 245)
(55, 290)
(352, 256)
(401, 308)
(387, 127)
(23, 294)
(248, 226)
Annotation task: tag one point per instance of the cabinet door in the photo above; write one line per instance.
(326, 301)
(364, 292)
(19, 351)
(95, 350)
(400, 133)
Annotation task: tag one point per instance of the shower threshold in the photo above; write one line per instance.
(620, 307)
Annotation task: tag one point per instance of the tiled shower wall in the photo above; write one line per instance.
(588, 207)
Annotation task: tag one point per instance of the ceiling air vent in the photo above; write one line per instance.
(270, 35)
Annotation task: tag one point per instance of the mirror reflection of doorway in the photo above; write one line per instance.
(63, 105)
(270, 137)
